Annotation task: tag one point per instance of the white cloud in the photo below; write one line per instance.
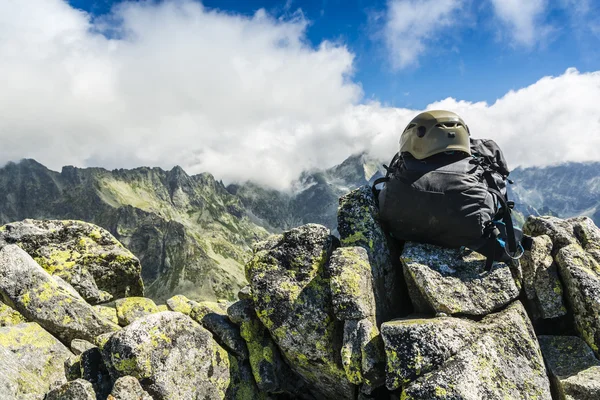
(554, 120)
(523, 20)
(242, 98)
(411, 24)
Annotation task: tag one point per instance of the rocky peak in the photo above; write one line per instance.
(361, 316)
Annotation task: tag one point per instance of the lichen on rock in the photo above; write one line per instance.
(9, 317)
(576, 244)
(540, 279)
(37, 353)
(128, 388)
(132, 308)
(358, 226)
(171, 355)
(497, 358)
(574, 370)
(292, 298)
(86, 256)
(78, 389)
(351, 284)
(32, 291)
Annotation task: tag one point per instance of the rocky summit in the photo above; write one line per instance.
(354, 316)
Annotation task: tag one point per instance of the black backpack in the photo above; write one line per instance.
(452, 200)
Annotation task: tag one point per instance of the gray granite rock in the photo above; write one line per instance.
(574, 371)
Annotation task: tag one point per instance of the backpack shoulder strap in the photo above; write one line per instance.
(384, 179)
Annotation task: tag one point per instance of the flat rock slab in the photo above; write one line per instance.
(452, 358)
(86, 256)
(36, 352)
(171, 355)
(574, 370)
(39, 297)
(454, 281)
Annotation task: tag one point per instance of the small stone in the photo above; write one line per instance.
(128, 388)
(108, 313)
(132, 308)
(78, 346)
(362, 353)
(78, 389)
(181, 304)
(73, 367)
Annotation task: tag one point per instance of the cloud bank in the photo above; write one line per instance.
(245, 98)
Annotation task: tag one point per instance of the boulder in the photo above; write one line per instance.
(75, 390)
(351, 284)
(292, 298)
(181, 304)
(358, 226)
(84, 255)
(171, 355)
(581, 275)
(454, 281)
(266, 363)
(452, 358)
(32, 291)
(128, 388)
(576, 250)
(214, 318)
(9, 317)
(574, 371)
(363, 357)
(108, 313)
(132, 308)
(17, 381)
(540, 279)
(31, 351)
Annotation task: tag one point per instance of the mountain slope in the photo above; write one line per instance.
(191, 235)
(564, 190)
(313, 197)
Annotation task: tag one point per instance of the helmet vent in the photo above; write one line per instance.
(410, 127)
(421, 131)
(450, 125)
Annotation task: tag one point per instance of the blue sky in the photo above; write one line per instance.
(265, 90)
(477, 60)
